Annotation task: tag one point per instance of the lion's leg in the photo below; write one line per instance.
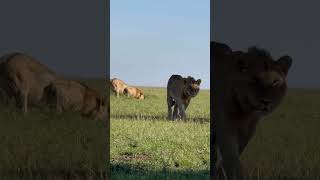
(170, 103)
(117, 93)
(21, 90)
(59, 104)
(218, 173)
(186, 104)
(25, 100)
(21, 101)
(228, 145)
(181, 109)
(175, 111)
(23, 96)
(231, 163)
(59, 100)
(244, 137)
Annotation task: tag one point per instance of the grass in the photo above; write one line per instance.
(144, 145)
(287, 143)
(43, 144)
(154, 107)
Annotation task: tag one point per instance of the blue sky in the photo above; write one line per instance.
(151, 39)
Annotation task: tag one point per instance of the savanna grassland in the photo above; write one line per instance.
(287, 143)
(43, 144)
(145, 145)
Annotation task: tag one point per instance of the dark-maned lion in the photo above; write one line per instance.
(133, 92)
(68, 95)
(247, 86)
(24, 78)
(117, 86)
(180, 90)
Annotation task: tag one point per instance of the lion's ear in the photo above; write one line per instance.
(198, 81)
(285, 63)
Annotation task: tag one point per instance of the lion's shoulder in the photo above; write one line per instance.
(175, 81)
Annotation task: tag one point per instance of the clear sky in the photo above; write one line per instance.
(151, 40)
(67, 36)
(281, 27)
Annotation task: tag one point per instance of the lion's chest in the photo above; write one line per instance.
(244, 121)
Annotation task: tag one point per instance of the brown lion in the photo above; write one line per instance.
(247, 87)
(117, 86)
(24, 78)
(180, 90)
(68, 95)
(133, 92)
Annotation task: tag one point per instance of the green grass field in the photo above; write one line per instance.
(144, 145)
(46, 145)
(287, 143)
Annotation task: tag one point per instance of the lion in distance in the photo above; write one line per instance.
(117, 86)
(180, 90)
(133, 92)
(69, 95)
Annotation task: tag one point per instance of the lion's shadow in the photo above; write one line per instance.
(126, 170)
(157, 117)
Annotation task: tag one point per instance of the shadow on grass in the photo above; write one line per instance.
(54, 175)
(157, 117)
(129, 172)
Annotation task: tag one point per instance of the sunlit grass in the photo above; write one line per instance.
(144, 145)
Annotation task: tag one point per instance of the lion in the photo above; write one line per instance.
(69, 95)
(180, 90)
(133, 92)
(247, 87)
(24, 78)
(117, 86)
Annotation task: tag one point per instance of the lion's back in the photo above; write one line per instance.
(175, 86)
(21, 71)
(118, 85)
(65, 93)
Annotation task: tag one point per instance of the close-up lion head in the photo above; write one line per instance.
(261, 81)
(248, 86)
(192, 86)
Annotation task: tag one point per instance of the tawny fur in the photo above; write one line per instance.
(24, 78)
(247, 86)
(68, 95)
(117, 86)
(179, 93)
(133, 92)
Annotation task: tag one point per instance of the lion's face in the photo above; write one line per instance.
(192, 86)
(101, 110)
(141, 95)
(262, 82)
